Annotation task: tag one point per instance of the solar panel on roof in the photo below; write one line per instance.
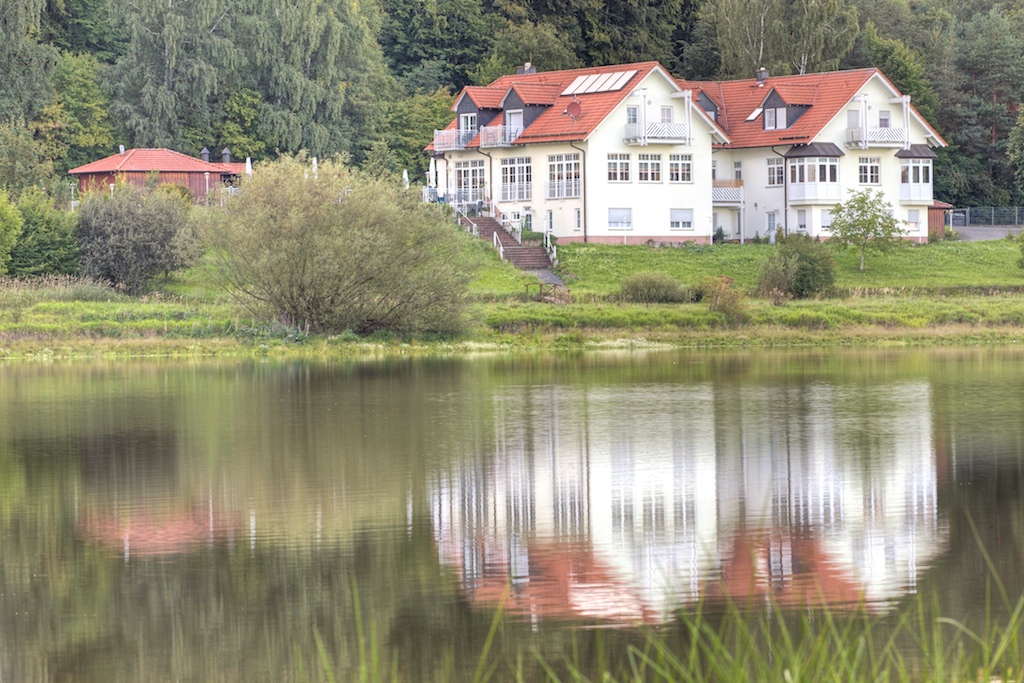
(599, 83)
(621, 81)
(606, 82)
(574, 85)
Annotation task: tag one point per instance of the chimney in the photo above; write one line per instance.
(762, 76)
(205, 155)
(527, 68)
(225, 156)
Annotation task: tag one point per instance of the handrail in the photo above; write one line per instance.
(456, 212)
(551, 249)
(498, 246)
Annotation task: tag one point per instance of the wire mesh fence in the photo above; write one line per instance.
(986, 215)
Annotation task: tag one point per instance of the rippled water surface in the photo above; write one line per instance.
(206, 521)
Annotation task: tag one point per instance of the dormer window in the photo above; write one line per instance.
(775, 119)
(467, 122)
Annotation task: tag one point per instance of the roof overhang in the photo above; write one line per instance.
(814, 149)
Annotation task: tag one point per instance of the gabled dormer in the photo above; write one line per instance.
(708, 105)
(522, 104)
(780, 110)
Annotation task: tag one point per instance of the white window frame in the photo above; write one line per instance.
(680, 219)
(714, 169)
(737, 170)
(801, 220)
(648, 168)
(516, 179)
(869, 170)
(618, 167)
(884, 118)
(913, 220)
(632, 114)
(826, 220)
(667, 114)
(467, 122)
(776, 172)
(577, 219)
(680, 168)
(563, 176)
(620, 218)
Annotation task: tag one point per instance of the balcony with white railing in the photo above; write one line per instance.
(467, 196)
(516, 192)
(916, 193)
(499, 136)
(668, 133)
(864, 137)
(562, 189)
(455, 138)
(727, 192)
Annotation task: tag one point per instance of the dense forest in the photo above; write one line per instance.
(368, 80)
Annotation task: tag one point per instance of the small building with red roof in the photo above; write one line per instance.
(627, 154)
(139, 166)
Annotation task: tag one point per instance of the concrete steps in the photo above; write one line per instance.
(524, 258)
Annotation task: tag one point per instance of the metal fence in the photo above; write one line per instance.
(986, 215)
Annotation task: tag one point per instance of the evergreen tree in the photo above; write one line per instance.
(23, 161)
(86, 132)
(47, 244)
(163, 85)
(318, 70)
(451, 34)
(25, 85)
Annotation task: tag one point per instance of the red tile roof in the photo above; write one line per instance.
(484, 97)
(545, 87)
(148, 160)
(530, 93)
(824, 93)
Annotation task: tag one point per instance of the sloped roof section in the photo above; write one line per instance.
(825, 95)
(533, 94)
(815, 149)
(145, 160)
(484, 97)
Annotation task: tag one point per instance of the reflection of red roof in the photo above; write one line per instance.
(815, 580)
(158, 533)
(149, 160)
(562, 582)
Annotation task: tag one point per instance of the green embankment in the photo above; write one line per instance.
(950, 292)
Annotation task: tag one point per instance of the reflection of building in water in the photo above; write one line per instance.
(663, 494)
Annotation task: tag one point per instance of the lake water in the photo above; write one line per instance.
(210, 521)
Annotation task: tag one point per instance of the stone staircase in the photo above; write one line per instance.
(524, 258)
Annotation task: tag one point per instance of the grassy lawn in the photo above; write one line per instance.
(945, 293)
(595, 271)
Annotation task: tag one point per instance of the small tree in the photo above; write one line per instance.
(10, 228)
(47, 244)
(132, 234)
(866, 221)
(339, 251)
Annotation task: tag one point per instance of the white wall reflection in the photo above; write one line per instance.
(625, 503)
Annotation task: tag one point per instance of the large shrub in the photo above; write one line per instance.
(10, 228)
(800, 267)
(47, 244)
(652, 288)
(340, 251)
(130, 235)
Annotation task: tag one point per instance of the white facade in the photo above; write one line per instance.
(664, 161)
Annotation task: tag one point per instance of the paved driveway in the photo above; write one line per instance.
(971, 233)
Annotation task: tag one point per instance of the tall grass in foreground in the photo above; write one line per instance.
(29, 291)
(751, 643)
